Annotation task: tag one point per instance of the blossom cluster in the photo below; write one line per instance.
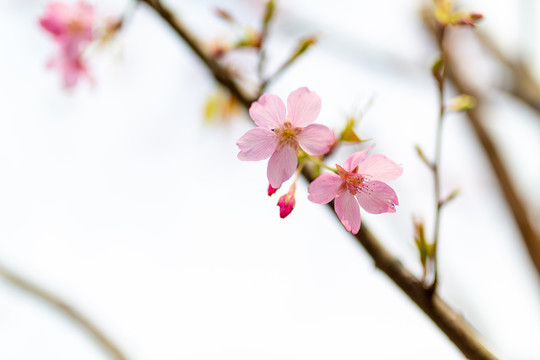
(285, 136)
(71, 26)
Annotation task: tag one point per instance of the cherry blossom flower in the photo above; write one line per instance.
(71, 26)
(359, 182)
(279, 137)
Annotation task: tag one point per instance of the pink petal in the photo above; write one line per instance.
(71, 76)
(268, 112)
(52, 26)
(376, 197)
(257, 144)
(71, 68)
(348, 211)
(316, 139)
(69, 23)
(352, 161)
(324, 188)
(281, 166)
(304, 106)
(379, 167)
(55, 18)
(84, 14)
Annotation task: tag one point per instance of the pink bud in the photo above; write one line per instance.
(224, 14)
(468, 19)
(476, 16)
(271, 190)
(286, 203)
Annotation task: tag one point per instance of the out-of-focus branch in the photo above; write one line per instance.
(440, 76)
(303, 45)
(220, 73)
(64, 308)
(447, 319)
(524, 85)
(519, 212)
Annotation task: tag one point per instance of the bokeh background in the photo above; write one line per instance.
(120, 199)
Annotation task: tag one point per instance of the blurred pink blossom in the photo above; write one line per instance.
(71, 68)
(71, 26)
(358, 183)
(279, 136)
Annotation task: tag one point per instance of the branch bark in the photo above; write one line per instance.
(518, 210)
(446, 318)
(64, 308)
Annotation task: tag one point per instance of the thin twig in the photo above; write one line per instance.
(519, 212)
(268, 15)
(441, 76)
(64, 308)
(220, 74)
(303, 45)
(447, 319)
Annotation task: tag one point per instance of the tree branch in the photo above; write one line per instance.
(447, 319)
(524, 85)
(518, 210)
(64, 308)
(451, 323)
(221, 74)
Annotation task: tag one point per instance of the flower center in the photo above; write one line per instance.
(351, 181)
(75, 26)
(287, 135)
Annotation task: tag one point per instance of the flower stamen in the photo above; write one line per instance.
(287, 135)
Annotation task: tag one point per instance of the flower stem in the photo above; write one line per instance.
(437, 164)
(318, 161)
(299, 170)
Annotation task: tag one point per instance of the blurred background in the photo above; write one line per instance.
(121, 199)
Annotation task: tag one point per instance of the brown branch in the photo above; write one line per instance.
(220, 74)
(524, 85)
(64, 308)
(451, 323)
(519, 212)
(447, 319)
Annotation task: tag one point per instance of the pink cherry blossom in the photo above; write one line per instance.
(279, 137)
(71, 26)
(359, 182)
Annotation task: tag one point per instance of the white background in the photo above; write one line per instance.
(119, 199)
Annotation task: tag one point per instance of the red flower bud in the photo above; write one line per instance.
(271, 190)
(286, 203)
